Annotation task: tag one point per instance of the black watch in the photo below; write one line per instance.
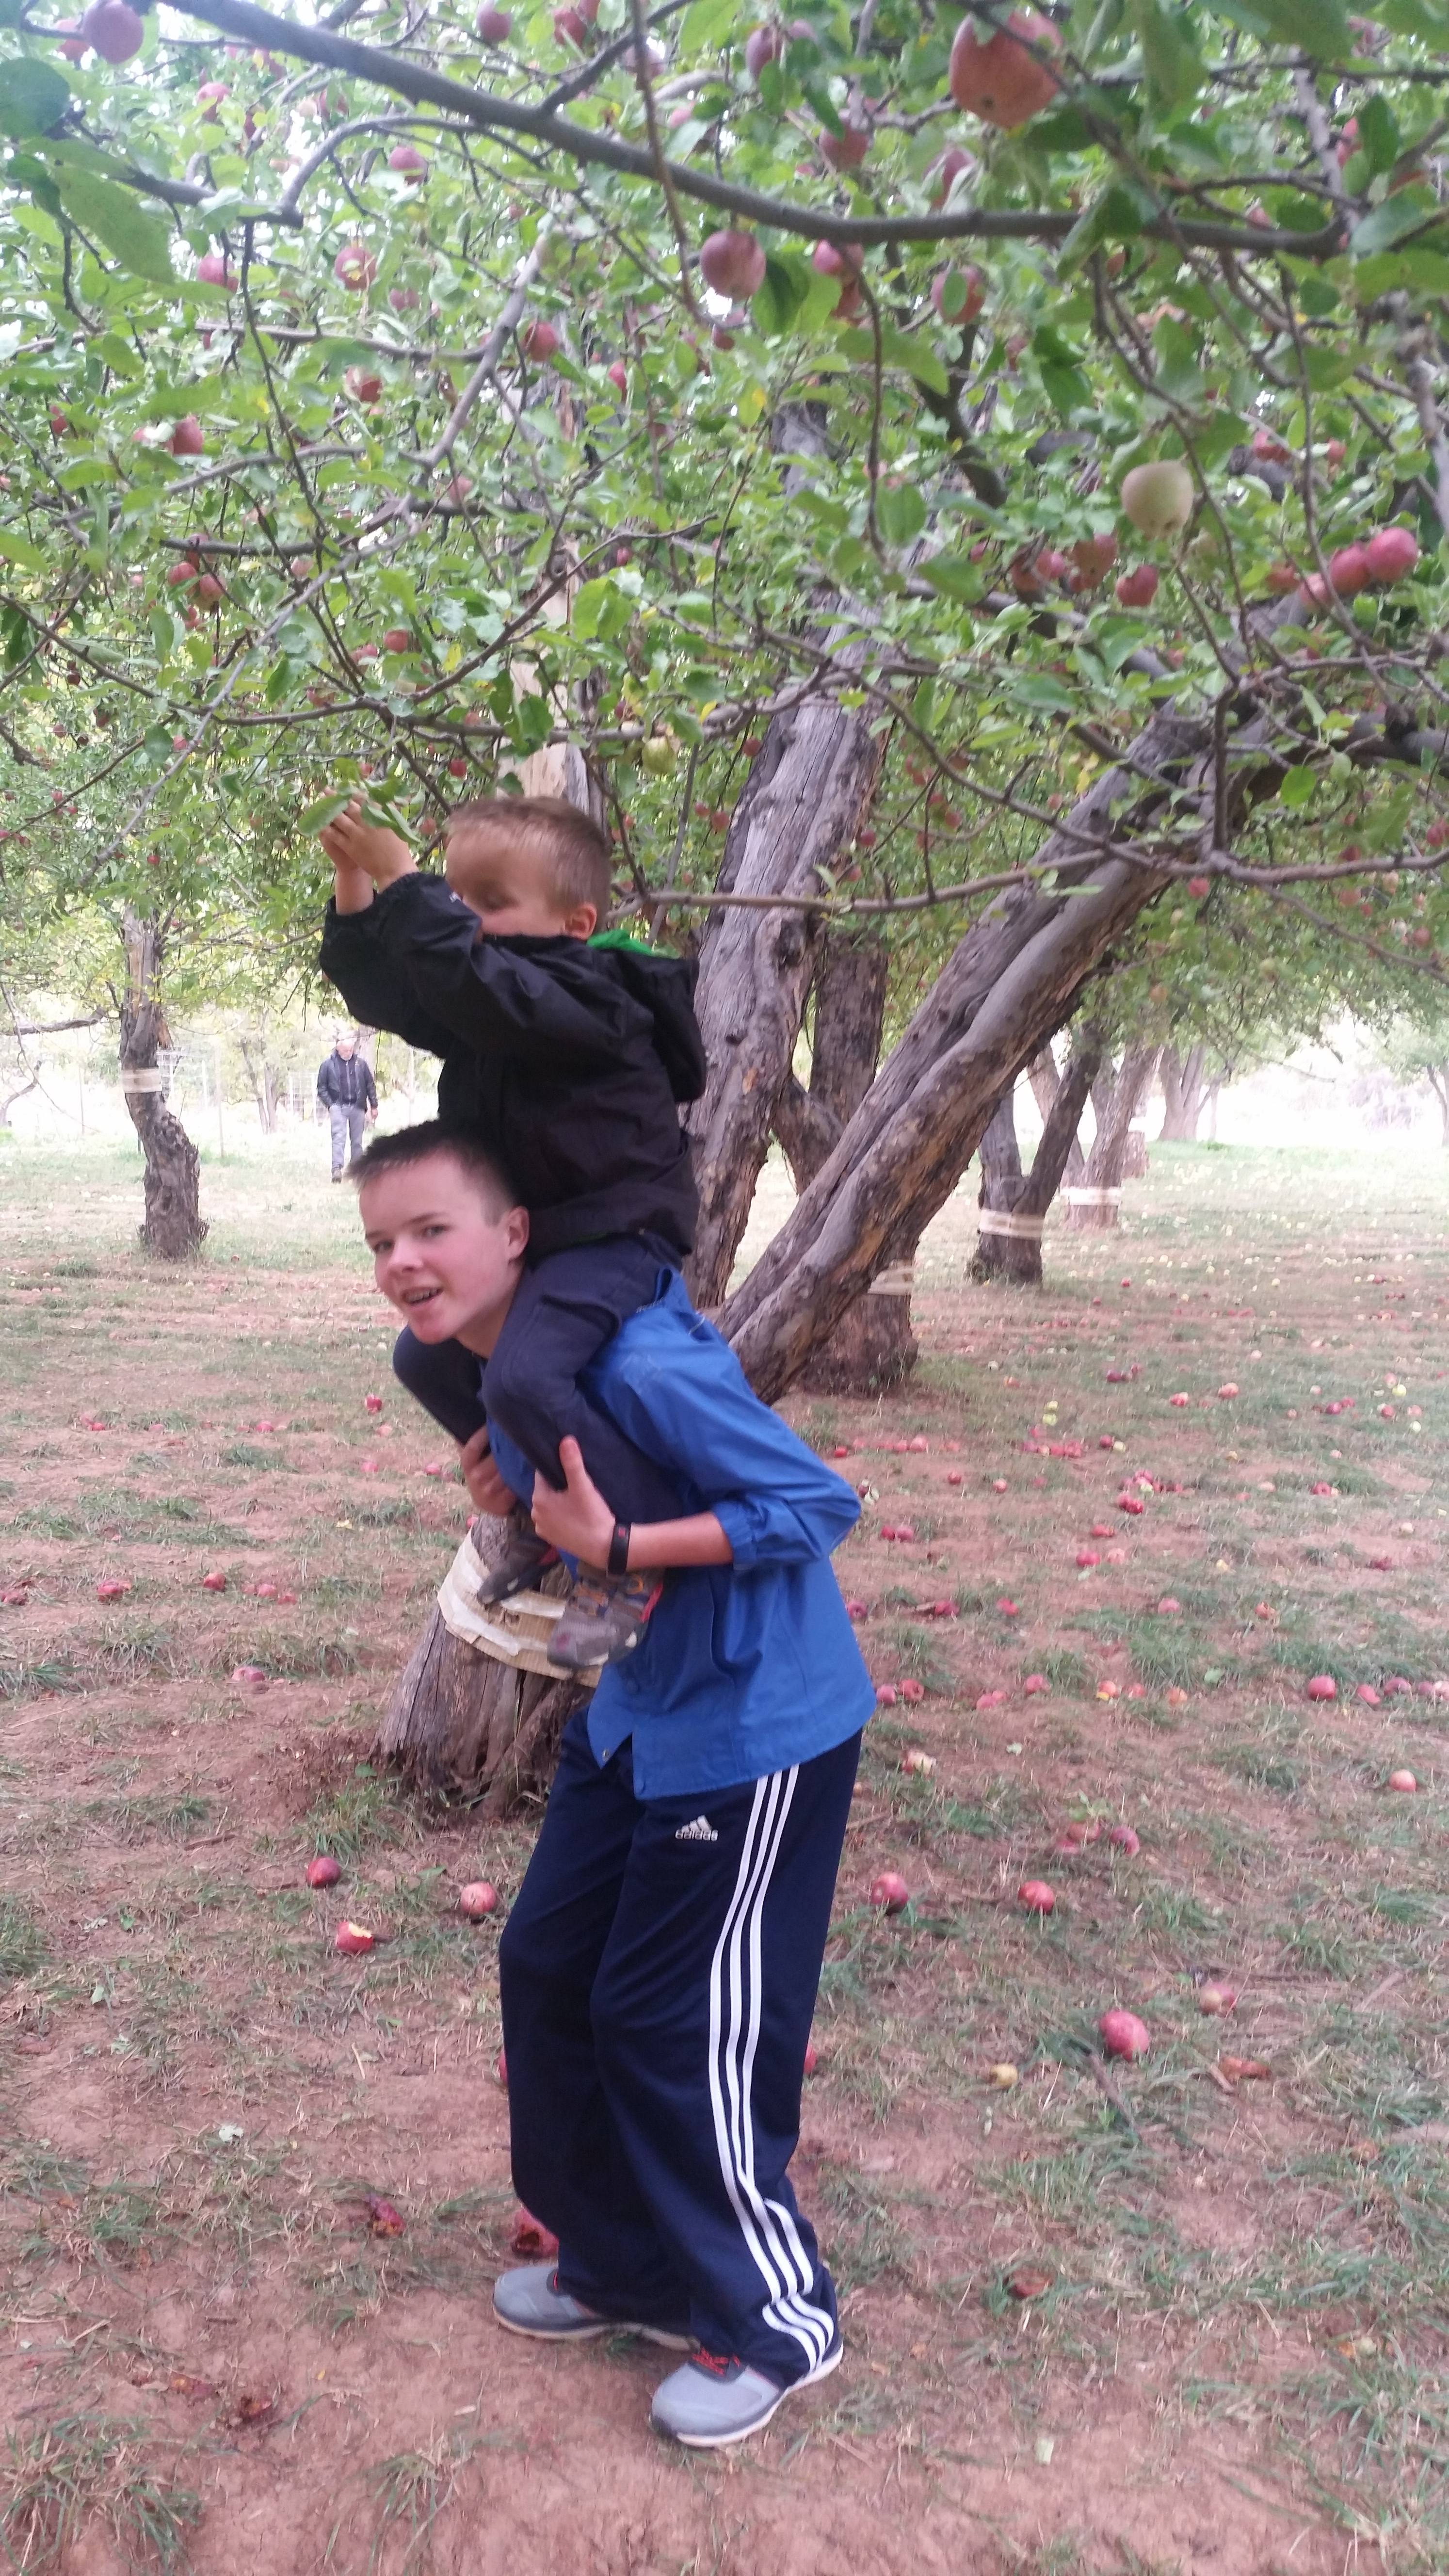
(619, 1547)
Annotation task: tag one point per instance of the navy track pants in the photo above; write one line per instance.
(565, 1309)
(659, 1972)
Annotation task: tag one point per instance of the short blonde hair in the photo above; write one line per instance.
(571, 852)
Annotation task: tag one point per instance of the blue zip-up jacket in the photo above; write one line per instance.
(745, 1668)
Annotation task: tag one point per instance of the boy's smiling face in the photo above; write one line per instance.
(444, 1252)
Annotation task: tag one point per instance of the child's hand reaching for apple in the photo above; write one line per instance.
(365, 850)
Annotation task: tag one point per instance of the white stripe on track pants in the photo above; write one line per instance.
(659, 1973)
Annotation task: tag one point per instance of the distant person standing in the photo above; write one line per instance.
(347, 1091)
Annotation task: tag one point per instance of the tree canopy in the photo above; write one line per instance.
(392, 395)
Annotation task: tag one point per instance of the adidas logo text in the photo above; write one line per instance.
(701, 1831)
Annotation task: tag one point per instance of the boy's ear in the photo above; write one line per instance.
(516, 1230)
(581, 922)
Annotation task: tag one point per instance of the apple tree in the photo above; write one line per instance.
(941, 481)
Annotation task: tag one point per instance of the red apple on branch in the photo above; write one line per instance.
(115, 31)
(1138, 588)
(354, 267)
(1004, 81)
(1391, 553)
(733, 264)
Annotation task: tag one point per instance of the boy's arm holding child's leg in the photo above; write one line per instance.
(579, 1520)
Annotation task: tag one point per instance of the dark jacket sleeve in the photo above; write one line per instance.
(324, 1082)
(494, 1000)
(357, 956)
(371, 1101)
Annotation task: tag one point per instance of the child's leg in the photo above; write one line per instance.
(566, 1307)
(701, 2012)
(569, 2166)
(444, 1378)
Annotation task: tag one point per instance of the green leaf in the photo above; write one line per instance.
(20, 552)
(1174, 66)
(112, 214)
(1117, 215)
(1422, 272)
(955, 576)
(1427, 19)
(899, 349)
(1175, 349)
(707, 24)
(33, 96)
(1410, 211)
(600, 609)
(1317, 26)
(118, 355)
(1066, 389)
(315, 818)
(900, 513)
(787, 281)
(1041, 692)
(1327, 368)
(1378, 133)
(1297, 788)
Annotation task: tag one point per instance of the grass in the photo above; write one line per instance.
(84, 2470)
(1284, 2310)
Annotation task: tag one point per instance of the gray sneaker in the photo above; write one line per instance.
(711, 2402)
(530, 2302)
(525, 1558)
(605, 1617)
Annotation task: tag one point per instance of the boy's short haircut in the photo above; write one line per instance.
(408, 1145)
(572, 852)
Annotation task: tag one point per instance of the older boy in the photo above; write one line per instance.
(568, 1053)
(660, 1964)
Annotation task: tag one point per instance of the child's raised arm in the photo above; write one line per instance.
(363, 856)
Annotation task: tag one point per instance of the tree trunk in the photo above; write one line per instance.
(8, 1103)
(172, 1225)
(464, 1724)
(266, 1083)
(801, 806)
(1012, 979)
(1013, 1252)
(1184, 1090)
(1046, 1082)
(872, 1347)
(1438, 1083)
(1096, 1206)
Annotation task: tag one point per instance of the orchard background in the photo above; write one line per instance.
(965, 502)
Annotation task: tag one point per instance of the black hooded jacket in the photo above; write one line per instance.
(568, 1056)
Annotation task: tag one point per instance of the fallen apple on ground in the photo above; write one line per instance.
(1036, 1896)
(353, 1940)
(531, 2238)
(324, 1871)
(477, 1900)
(1123, 2034)
(889, 1891)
